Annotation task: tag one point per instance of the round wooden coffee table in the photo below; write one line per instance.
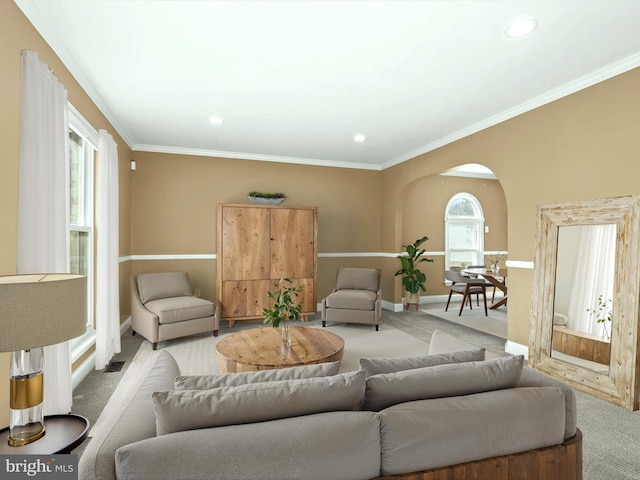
(262, 349)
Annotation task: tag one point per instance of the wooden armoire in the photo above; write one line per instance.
(257, 245)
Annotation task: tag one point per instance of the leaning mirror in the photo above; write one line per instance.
(586, 288)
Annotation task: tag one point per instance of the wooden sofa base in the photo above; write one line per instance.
(561, 462)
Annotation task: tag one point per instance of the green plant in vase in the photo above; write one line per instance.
(284, 307)
(413, 279)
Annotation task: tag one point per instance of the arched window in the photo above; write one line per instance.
(464, 231)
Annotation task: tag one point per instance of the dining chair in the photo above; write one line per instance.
(486, 282)
(466, 287)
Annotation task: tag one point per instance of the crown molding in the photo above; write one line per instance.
(581, 83)
(251, 156)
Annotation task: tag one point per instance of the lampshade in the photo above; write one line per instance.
(41, 309)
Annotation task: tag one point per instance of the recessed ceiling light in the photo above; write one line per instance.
(520, 27)
(359, 138)
(215, 120)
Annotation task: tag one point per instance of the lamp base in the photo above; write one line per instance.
(26, 422)
(23, 438)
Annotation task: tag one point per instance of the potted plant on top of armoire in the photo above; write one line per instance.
(413, 278)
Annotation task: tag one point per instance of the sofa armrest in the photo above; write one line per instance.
(142, 320)
(136, 421)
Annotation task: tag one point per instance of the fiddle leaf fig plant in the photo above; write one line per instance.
(413, 278)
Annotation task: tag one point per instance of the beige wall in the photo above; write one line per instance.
(174, 198)
(16, 34)
(583, 146)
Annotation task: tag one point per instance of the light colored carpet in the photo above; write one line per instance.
(196, 355)
(494, 324)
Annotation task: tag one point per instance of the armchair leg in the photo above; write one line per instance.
(215, 333)
(154, 345)
(377, 327)
(324, 324)
(133, 333)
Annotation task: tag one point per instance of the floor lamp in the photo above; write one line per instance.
(36, 310)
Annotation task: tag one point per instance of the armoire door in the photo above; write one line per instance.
(293, 243)
(245, 243)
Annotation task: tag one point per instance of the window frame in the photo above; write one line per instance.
(476, 221)
(79, 125)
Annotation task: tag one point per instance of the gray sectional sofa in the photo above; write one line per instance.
(445, 413)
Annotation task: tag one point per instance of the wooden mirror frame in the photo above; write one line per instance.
(621, 385)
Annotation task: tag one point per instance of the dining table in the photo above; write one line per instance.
(497, 279)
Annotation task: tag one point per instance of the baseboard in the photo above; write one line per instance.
(516, 348)
(427, 299)
(80, 373)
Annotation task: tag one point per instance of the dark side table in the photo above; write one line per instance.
(64, 433)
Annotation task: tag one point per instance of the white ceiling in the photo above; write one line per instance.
(294, 81)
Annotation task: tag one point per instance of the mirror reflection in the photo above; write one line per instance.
(584, 287)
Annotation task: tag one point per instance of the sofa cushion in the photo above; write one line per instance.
(332, 445)
(179, 309)
(352, 300)
(435, 433)
(446, 380)
(207, 382)
(256, 402)
(375, 366)
(152, 286)
(357, 279)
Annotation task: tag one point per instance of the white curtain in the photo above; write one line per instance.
(107, 266)
(43, 203)
(594, 277)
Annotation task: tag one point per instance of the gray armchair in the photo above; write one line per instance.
(163, 307)
(356, 298)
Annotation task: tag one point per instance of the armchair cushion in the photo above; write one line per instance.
(357, 279)
(179, 309)
(352, 299)
(152, 286)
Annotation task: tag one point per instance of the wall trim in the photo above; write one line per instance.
(212, 256)
(516, 349)
(350, 254)
(171, 256)
(519, 264)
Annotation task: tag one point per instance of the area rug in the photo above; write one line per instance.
(196, 355)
